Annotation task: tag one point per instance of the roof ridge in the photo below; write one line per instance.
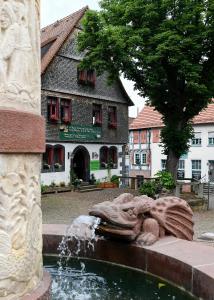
(73, 21)
(67, 17)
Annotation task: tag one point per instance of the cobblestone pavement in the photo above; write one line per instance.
(62, 208)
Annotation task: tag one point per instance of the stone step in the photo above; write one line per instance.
(89, 186)
(90, 190)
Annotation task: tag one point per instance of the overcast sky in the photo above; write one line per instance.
(52, 10)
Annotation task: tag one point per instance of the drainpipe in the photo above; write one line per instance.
(149, 148)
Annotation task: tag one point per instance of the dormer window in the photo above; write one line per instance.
(86, 77)
(65, 111)
(97, 115)
(112, 117)
(53, 109)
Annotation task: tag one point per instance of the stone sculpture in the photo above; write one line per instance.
(18, 66)
(144, 219)
(22, 140)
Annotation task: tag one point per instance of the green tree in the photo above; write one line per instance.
(167, 48)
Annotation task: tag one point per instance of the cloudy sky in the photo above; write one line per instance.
(52, 10)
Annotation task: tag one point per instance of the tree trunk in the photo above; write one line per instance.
(172, 164)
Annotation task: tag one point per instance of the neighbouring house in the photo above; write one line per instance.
(145, 149)
(86, 119)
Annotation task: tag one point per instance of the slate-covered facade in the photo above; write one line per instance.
(86, 119)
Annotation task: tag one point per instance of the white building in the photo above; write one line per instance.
(146, 156)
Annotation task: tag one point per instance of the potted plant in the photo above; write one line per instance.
(115, 180)
(57, 166)
(46, 166)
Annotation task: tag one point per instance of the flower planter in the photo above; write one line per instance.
(52, 190)
(107, 185)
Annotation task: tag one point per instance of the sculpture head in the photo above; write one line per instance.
(7, 16)
(122, 217)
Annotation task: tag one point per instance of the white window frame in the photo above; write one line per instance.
(181, 164)
(137, 153)
(197, 168)
(163, 164)
(131, 137)
(211, 138)
(196, 140)
(144, 158)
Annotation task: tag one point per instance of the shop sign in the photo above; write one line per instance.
(94, 165)
(77, 132)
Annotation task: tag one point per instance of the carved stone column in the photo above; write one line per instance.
(22, 141)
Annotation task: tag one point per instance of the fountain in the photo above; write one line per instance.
(170, 256)
(22, 140)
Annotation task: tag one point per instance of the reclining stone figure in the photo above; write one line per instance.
(144, 219)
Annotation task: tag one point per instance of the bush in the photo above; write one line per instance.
(115, 179)
(165, 180)
(149, 188)
(43, 188)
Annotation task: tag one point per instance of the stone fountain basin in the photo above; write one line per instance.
(189, 265)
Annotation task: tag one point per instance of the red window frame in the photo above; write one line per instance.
(113, 157)
(91, 77)
(59, 155)
(65, 105)
(112, 117)
(53, 109)
(87, 77)
(82, 76)
(97, 115)
(104, 157)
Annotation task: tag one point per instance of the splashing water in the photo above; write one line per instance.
(83, 285)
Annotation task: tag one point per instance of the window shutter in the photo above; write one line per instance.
(50, 155)
(61, 155)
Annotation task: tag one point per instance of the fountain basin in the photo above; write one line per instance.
(189, 265)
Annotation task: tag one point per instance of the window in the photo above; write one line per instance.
(163, 164)
(59, 158)
(144, 158)
(211, 138)
(47, 160)
(181, 169)
(54, 159)
(196, 140)
(196, 169)
(113, 157)
(86, 77)
(53, 109)
(108, 157)
(131, 138)
(65, 106)
(97, 115)
(112, 117)
(137, 159)
(104, 156)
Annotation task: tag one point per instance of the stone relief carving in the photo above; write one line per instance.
(20, 225)
(19, 42)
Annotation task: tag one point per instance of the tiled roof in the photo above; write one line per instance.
(150, 118)
(147, 118)
(57, 33)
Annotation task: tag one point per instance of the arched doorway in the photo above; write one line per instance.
(80, 163)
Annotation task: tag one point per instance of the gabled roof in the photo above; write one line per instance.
(150, 118)
(53, 36)
(147, 118)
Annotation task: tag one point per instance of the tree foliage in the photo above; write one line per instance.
(166, 47)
